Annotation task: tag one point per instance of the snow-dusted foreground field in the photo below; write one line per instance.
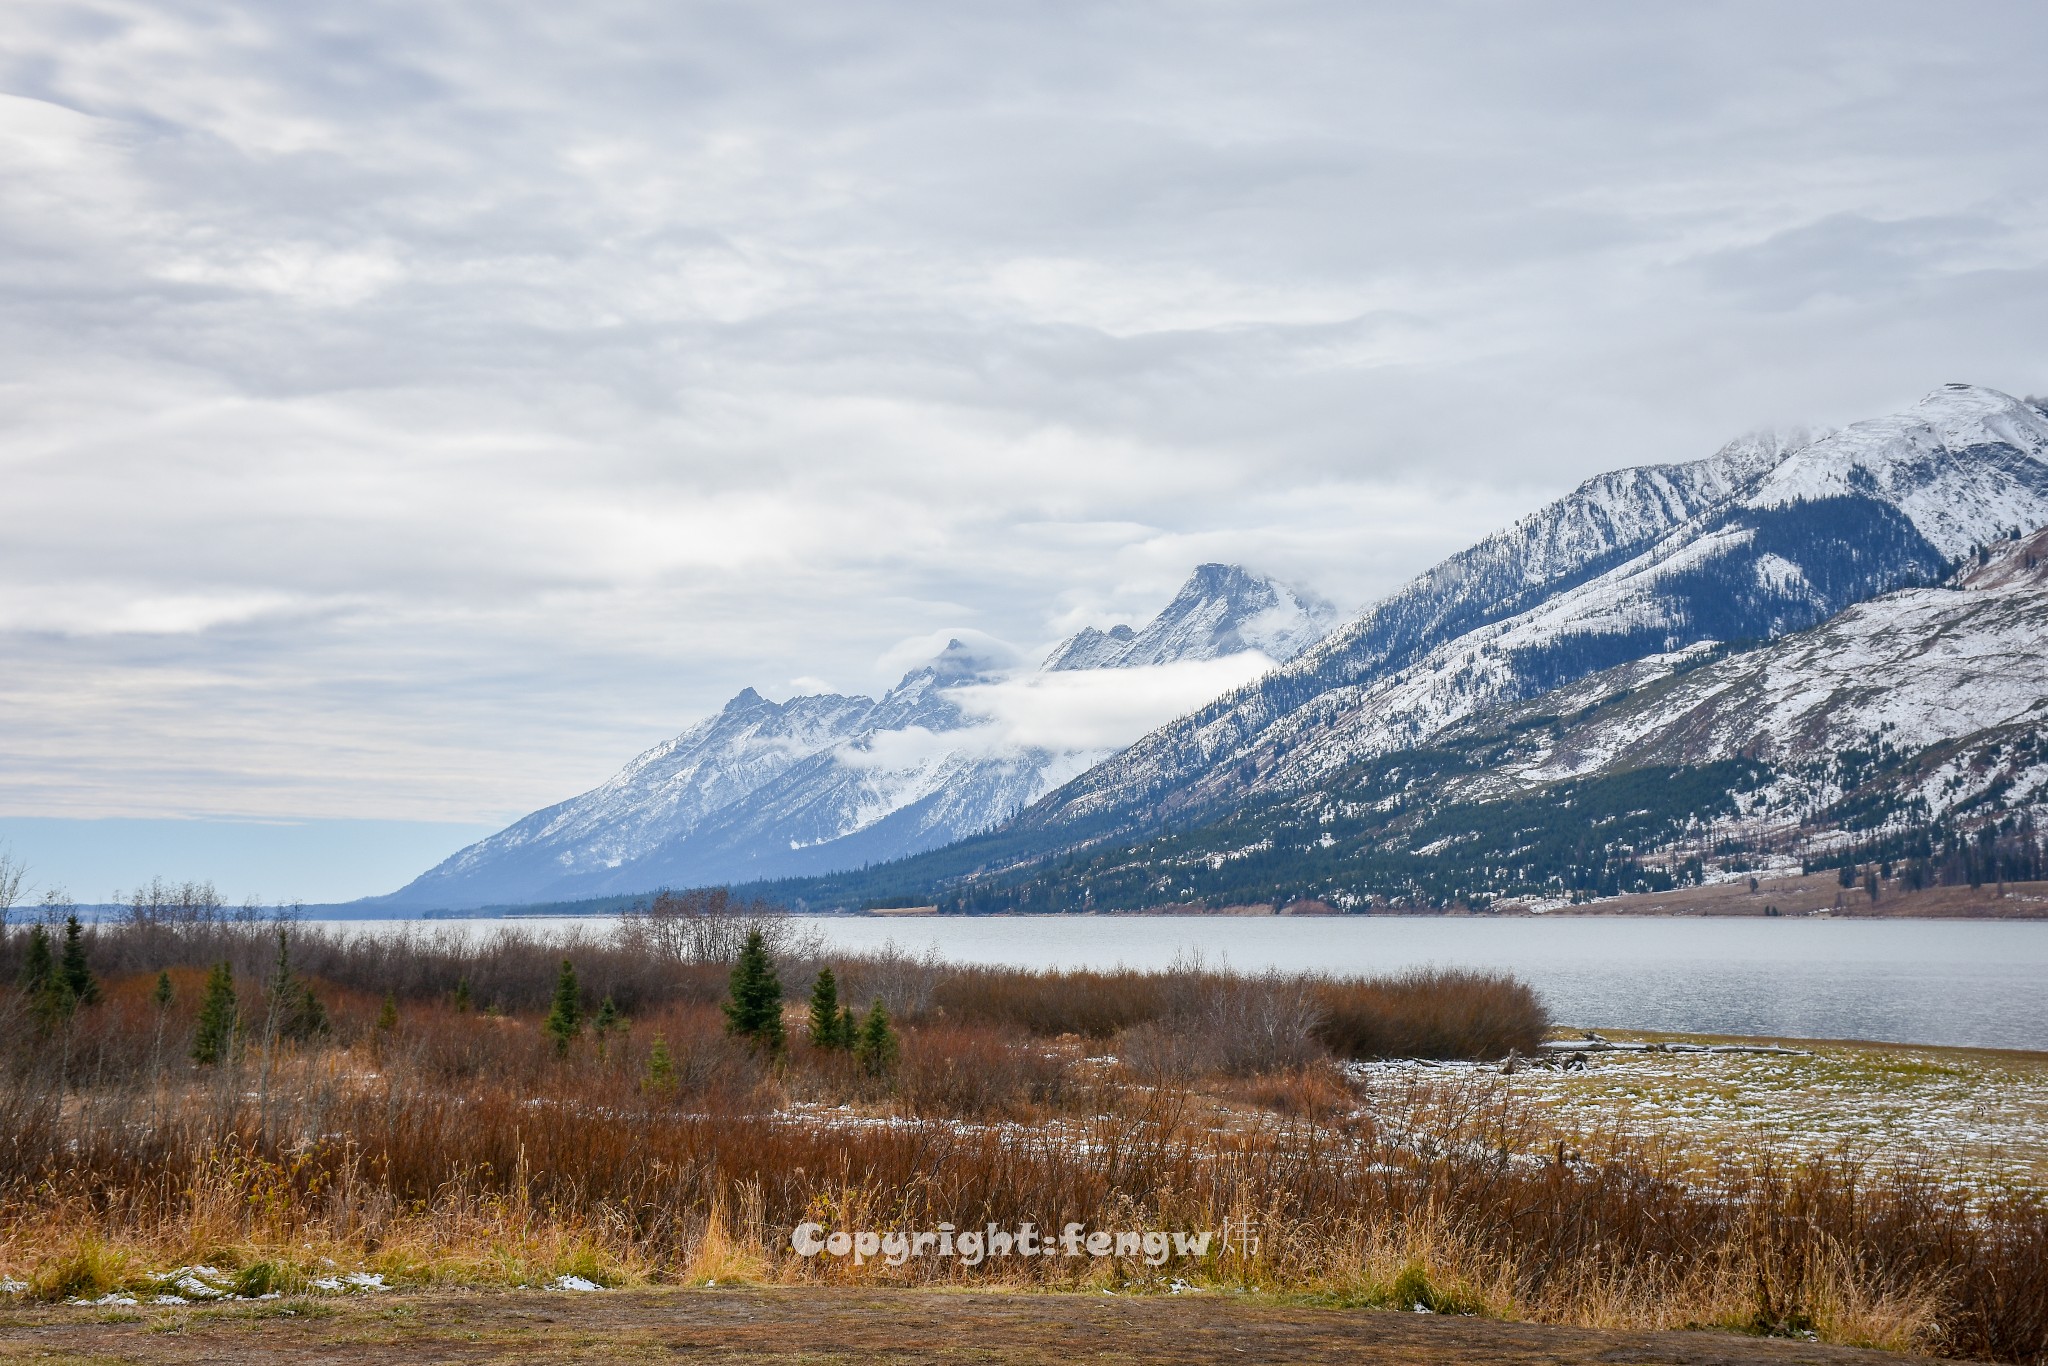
(1979, 1117)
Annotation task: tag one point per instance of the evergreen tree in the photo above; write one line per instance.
(849, 1028)
(877, 1047)
(755, 1010)
(565, 1019)
(295, 1012)
(661, 1069)
(162, 997)
(608, 1022)
(387, 1017)
(462, 1001)
(44, 983)
(77, 975)
(38, 965)
(216, 1036)
(826, 1031)
(281, 987)
(306, 1017)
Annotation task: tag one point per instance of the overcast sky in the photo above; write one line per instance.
(413, 410)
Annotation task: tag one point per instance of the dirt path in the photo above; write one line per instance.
(837, 1325)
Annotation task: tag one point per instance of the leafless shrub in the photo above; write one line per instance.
(978, 1073)
(906, 984)
(708, 926)
(1259, 1024)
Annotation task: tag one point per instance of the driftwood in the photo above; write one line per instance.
(1593, 1043)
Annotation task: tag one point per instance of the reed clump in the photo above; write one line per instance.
(452, 1139)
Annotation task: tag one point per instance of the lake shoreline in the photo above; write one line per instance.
(1787, 895)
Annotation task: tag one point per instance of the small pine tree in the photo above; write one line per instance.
(849, 1028)
(462, 999)
(1870, 883)
(607, 1023)
(565, 1019)
(387, 1017)
(306, 1017)
(825, 1015)
(38, 964)
(77, 975)
(164, 993)
(877, 1047)
(755, 1010)
(215, 1038)
(661, 1069)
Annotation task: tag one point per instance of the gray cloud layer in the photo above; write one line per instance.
(413, 410)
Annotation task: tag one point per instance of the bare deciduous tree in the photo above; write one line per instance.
(13, 874)
(709, 926)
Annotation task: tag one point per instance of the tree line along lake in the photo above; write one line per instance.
(1961, 983)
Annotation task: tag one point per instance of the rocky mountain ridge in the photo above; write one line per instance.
(1909, 729)
(817, 783)
(1761, 539)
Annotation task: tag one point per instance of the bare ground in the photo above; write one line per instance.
(1818, 892)
(1795, 894)
(833, 1324)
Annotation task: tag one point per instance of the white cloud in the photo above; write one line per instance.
(1100, 709)
(914, 748)
(414, 412)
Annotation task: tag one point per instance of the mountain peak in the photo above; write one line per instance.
(1963, 456)
(1222, 609)
(1977, 415)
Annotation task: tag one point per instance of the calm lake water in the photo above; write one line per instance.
(1973, 982)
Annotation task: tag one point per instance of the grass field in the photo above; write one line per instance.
(458, 1132)
(1977, 1116)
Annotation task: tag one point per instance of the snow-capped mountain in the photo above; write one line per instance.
(820, 783)
(1763, 538)
(1910, 727)
(1221, 610)
(1896, 675)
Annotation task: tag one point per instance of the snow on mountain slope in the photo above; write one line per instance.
(822, 783)
(1221, 610)
(1754, 542)
(1915, 668)
(674, 785)
(1597, 524)
(1965, 461)
(1911, 727)
(1909, 708)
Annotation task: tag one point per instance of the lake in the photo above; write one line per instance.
(1963, 982)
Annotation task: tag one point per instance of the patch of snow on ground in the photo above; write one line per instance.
(358, 1281)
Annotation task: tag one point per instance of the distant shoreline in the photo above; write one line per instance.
(1809, 896)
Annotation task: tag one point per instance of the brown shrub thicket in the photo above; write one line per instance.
(1429, 1013)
